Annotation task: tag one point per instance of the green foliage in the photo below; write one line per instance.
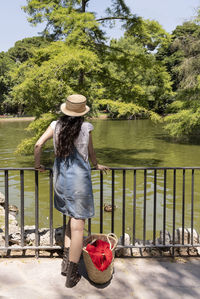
(43, 81)
(130, 77)
(118, 109)
(183, 123)
(69, 18)
(65, 19)
(24, 49)
(182, 55)
(125, 70)
(9, 63)
(149, 33)
(36, 129)
(182, 60)
(6, 63)
(119, 8)
(187, 119)
(133, 75)
(175, 107)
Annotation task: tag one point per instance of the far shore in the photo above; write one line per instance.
(9, 119)
(31, 118)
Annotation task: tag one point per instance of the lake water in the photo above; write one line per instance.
(117, 143)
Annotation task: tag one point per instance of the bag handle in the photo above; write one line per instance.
(113, 236)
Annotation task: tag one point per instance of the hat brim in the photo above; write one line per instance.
(72, 113)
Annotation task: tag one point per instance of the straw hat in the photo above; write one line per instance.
(75, 105)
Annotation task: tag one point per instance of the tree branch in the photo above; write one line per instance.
(114, 18)
(112, 48)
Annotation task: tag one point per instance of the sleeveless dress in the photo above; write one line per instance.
(73, 194)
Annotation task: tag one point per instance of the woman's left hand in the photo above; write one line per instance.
(102, 168)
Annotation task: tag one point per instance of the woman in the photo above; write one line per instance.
(73, 195)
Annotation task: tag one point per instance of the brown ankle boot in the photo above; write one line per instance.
(73, 275)
(65, 260)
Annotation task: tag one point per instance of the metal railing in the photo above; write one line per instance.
(140, 177)
(37, 247)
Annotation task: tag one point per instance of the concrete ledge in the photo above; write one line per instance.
(141, 278)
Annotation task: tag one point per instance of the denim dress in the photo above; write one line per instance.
(73, 194)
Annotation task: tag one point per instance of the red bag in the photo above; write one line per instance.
(100, 254)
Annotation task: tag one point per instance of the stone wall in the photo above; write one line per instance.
(44, 237)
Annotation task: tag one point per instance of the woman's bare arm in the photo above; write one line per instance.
(48, 134)
(92, 156)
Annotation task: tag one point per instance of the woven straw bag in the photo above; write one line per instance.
(94, 274)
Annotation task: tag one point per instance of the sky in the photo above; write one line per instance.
(169, 13)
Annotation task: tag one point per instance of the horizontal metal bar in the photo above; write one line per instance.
(150, 168)
(23, 168)
(118, 246)
(30, 247)
(158, 246)
(112, 168)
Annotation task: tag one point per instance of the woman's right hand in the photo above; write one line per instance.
(41, 168)
(102, 168)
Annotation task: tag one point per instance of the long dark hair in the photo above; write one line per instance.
(69, 128)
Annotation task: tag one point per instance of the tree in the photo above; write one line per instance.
(78, 60)
(182, 60)
(149, 33)
(9, 64)
(69, 18)
(6, 63)
(181, 53)
(24, 49)
(42, 83)
(131, 72)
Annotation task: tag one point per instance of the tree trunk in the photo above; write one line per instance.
(81, 75)
(83, 5)
(81, 78)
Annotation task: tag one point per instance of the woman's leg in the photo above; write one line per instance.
(67, 242)
(73, 275)
(77, 227)
(67, 234)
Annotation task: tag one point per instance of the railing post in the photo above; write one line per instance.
(51, 206)
(123, 205)
(89, 226)
(134, 205)
(64, 229)
(36, 215)
(144, 212)
(6, 209)
(154, 207)
(101, 202)
(164, 206)
(192, 207)
(183, 207)
(22, 206)
(174, 210)
(113, 201)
